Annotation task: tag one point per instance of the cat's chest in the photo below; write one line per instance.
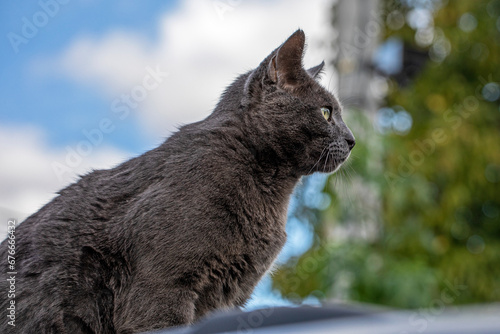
(263, 238)
(242, 248)
(231, 278)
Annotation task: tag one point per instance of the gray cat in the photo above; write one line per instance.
(187, 228)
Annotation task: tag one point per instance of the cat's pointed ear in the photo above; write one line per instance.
(316, 70)
(285, 67)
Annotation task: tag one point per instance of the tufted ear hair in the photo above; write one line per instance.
(317, 70)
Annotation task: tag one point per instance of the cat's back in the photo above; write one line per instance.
(192, 167)
(76, 241)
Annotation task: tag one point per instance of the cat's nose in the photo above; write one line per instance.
(349, 138)
(350, 142)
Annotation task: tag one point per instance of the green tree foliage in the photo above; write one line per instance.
(419, 221)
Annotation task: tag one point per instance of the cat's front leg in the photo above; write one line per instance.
(148, 306)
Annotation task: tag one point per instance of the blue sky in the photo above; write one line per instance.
(55, 103)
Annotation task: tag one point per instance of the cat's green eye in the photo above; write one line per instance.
(327, 112)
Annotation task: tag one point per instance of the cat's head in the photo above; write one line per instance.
(290, 118)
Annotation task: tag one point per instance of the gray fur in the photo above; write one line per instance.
(187, 228)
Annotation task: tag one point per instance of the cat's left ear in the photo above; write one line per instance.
(316, 71)
(285, 67)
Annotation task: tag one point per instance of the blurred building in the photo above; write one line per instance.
(359, 26)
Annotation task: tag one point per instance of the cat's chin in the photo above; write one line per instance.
(330, 168)
(337, 165)
(336, 168)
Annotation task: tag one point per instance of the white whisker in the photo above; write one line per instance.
(326, 160)
(321, 156)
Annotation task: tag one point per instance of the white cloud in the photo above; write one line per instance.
(26, 174)
(203, 45)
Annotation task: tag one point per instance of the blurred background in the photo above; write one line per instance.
(412, 221)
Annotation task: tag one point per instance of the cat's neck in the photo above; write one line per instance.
(273, 177)
(220, 141)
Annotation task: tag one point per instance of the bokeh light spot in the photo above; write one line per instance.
(475, 244)
(490, 210)
(467, 22)
(419, 18)
(493, 8)
(402, 122)
(384, 120)
(492, 173)
(440, 50)
(479, 50)
(491, 91)
(395, 20)
(436, 102)
(424, 37)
